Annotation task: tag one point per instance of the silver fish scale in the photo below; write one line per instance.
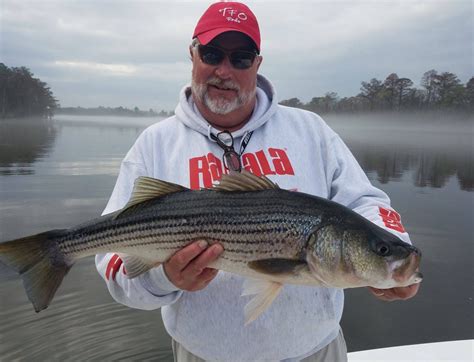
(250, 225)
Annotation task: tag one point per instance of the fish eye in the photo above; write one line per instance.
(383, 249)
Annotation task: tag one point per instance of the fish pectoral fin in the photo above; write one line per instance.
(264, 292)
(277, 266)
(136, 265)
(148, 188)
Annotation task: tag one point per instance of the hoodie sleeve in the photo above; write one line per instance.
(350, 186)
(152, 289)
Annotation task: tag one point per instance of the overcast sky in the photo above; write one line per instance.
(135, 53)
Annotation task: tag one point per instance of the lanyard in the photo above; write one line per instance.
(222, 144)
(245, 142)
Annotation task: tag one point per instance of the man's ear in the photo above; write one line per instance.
(191, 52)
(259, 61)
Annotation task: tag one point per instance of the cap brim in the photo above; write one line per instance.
(206, 38)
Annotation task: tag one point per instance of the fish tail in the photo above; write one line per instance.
(40, 263)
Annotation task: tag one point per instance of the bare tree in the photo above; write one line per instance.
(430, 82)
(403, 88)
(391, 89)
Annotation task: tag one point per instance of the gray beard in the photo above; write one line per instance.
(221, 105)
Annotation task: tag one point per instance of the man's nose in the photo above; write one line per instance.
(224, 69)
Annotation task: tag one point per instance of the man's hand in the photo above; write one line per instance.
(187, 269)
(399, 293)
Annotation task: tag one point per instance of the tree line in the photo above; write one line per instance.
(439, 91)
(22, 95)
(109, 111)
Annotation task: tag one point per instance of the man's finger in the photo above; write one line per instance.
(389, 295)
(383, 294)
(184, 256)
(397, 293)
(197, 266)
(406, 292)
(208, 274)
(202, 280)
(377, 292)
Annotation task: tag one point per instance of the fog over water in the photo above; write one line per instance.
(57, 174)
(435, 147)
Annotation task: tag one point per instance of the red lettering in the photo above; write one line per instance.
(113, 267)
(215, 168)
(391, 219)
(250, 163)
(199, 167)
(262, 159)
(281, 163)
(204, 171)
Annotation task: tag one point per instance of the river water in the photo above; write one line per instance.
(59, 173)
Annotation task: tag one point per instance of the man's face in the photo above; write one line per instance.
(222, 88)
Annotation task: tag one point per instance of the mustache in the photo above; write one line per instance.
(223, 83)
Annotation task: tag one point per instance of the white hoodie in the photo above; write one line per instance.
(292, 147)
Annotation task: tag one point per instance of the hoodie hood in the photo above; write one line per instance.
(187, 113)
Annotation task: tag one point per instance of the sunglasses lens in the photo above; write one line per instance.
(210, 55)
(225, 137)
(232, 161)
(242, 60)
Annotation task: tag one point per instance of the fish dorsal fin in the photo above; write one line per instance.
(244, 181)
(148, 188)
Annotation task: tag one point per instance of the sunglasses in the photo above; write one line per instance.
(230, 158)
(240, 59)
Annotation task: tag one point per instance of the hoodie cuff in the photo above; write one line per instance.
(157, 283)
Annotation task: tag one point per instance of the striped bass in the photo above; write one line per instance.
(270, 236)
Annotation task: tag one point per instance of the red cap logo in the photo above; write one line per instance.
(227, 16)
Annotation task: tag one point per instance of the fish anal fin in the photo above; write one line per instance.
(136, 265)
(148, 188)
(244, 181)
(277, 266)
(264, 292)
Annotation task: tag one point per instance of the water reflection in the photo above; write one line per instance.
(22, 142)
(431, 151)
(84, 323)
(432, 154)
(429, 167)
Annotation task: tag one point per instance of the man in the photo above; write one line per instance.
(202, 308)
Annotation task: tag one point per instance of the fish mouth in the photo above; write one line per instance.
(414, 250)
(418, 277)
(407, 272)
